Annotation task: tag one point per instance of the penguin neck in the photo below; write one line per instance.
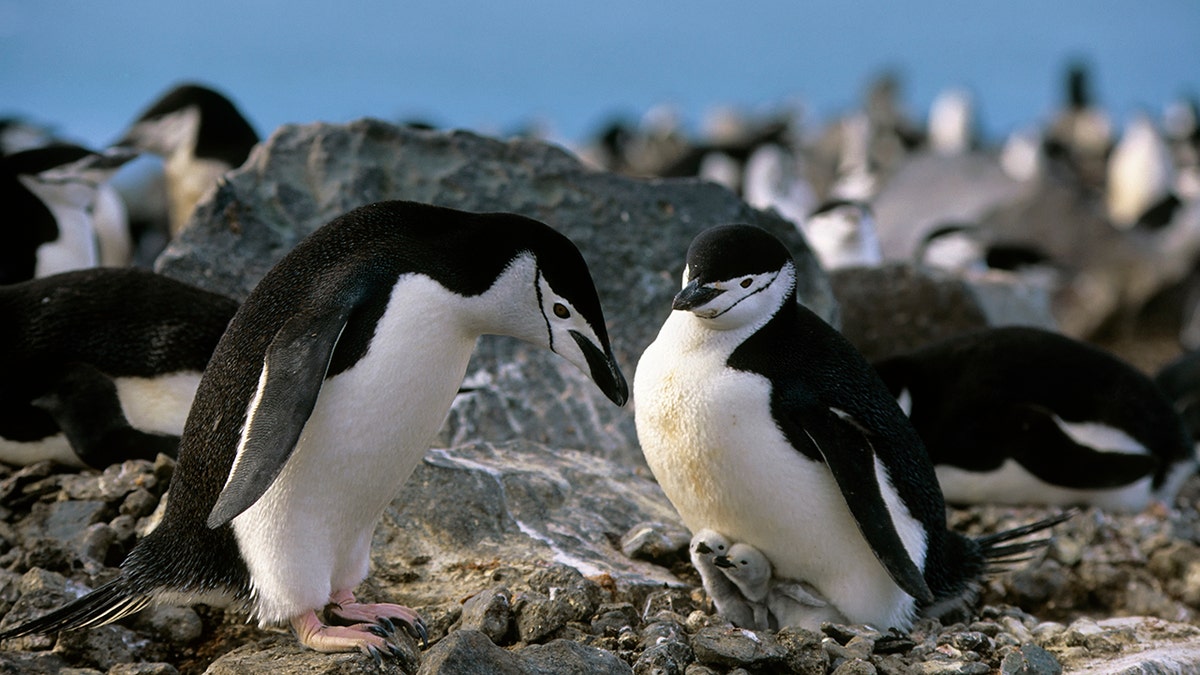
(692, 333)
(510, 306)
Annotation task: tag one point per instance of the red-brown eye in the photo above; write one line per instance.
(746, 282)
(561, 311)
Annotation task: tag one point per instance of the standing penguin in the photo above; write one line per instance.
(51, 197)
(760, 421)
(100, 365)
(321, 398)
(200, 134)
(1019, 415)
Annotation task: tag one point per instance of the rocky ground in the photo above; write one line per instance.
(533, 539)
(1110, 590)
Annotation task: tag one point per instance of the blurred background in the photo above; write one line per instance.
(88, 68)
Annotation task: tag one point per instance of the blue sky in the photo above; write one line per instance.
(89, 67)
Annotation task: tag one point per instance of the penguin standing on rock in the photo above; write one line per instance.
(760, 421)
(200, 134)
(332, 380)
(1019, 415)
(99, 366)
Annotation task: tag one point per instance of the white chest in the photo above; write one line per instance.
(709, 438)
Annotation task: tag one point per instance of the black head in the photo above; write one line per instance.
(223, 132)
(736, 274)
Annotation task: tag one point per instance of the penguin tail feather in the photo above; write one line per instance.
(1001, 550)
(111, 602)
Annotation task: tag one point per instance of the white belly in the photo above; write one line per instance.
(158, 404)
(54, 448)
(310, 533)
(708, 437)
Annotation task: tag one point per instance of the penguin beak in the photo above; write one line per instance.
(703, 548)
(723, 561)
(694, 295)
(604, 370)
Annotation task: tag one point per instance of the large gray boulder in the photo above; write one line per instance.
(633, 233)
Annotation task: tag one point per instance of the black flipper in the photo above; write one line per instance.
(293, 371)
(852, 462)
(1037, 443)
(83, 402)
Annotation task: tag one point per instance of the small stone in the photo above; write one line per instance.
(1030, 660)
(578, 595)
(143, 669)
(855, 667)
(953, 668)
(804, 653)
(667, 658)
(844, 633)
(489, 612)
(658, 632)
(563, 656)
(68, 520)
(173, 624)
(737, 647)
(655, 541)
(537, 616)
(139, 503)
(611, 618)
(699, 669)
(125, 527)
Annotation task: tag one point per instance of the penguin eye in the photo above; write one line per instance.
(746, 282)
(561, 311)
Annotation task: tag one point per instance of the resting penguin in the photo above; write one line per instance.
(760, 421)
(1019, 415)
(100, 365)
(321, 398)
(51, 197)
(200, 134)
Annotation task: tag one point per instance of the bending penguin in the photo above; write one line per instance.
(760, 421)
(100, 365)
(1019, 415)
(321, 398)
(200, 134)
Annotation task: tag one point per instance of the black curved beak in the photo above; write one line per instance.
(694, 295)
(702, 547)
(604, 370)
(723, 561)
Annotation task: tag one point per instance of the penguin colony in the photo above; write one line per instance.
(813, 482)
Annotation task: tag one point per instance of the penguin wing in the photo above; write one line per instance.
(846, 448)
(292, 374)
(1050, 452)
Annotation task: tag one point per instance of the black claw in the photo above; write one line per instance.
(377, 630)
(387, 624)
(376, 655)
(417, 630)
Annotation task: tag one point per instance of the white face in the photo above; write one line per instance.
(745, 299)
(751, 570)
(166, 134)
(564, 323)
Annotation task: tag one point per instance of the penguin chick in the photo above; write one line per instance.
(52, 194)
(1019, 415)
(760, 421)
(706, 546)
(786, 602)
(200, 134)
(842, 234)
(98, 366)
(321, 398)
(750, 571)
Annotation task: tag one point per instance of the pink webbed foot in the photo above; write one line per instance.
(368, 638)
(344, 607)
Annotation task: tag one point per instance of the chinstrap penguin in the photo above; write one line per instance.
(52, 195)
(321, 398)
(842, 234)
(760, 421)
(1020, 415)
(200, 134)
(100, 365)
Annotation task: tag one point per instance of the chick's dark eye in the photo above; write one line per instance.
(561, 311)
(746, 282)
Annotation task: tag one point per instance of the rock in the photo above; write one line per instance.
(667, 658)
(895, 308)
(469, 652)
(803, 652)
(175, 625)
(143, 669)
(1030, 659)
(1127, 645)
(634, 234)
(612, 618)
(855, 667)
(737, 647)
(520, 504)
(655, 542)
(488, 612)
(562, 657)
